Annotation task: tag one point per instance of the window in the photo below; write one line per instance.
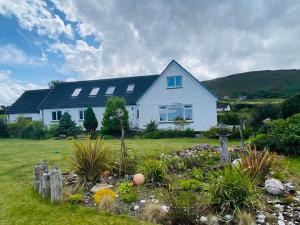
(76, 92)
(172, 112)
(174, 82)
(137, 114)
(81, 114)
(56, 115)
(130, 88)
(94, 91)
(110, 90)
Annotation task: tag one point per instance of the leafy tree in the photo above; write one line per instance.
(90, 121)
(67, 126)
(52, 84)
(264, 111)
(110, 122)
(229, 118)
(3, 129)
(291, 106)
(3, 109)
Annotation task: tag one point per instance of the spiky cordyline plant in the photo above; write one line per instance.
(90, 159)
(257, 163)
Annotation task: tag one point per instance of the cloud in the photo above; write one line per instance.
(4, 75)
(210, 38)
(11, 55)
(35, 14)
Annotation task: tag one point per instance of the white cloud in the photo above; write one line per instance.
(4, 75)
(34, 14)
(11, 55)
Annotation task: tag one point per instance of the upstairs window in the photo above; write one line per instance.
(174, 82)
(94, 91)
(130, 88)
(56, 115)
(76, 92)
(110, 90)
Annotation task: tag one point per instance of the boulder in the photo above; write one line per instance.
(99, 187)
(274, 187)
(138, 179)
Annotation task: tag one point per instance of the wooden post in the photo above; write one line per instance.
(44, 166)
(241, 134)
(45, 189)
(37, 177)
(225, 156)
(56, 186)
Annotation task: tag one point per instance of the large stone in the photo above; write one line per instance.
(99, 187)
(274, 186)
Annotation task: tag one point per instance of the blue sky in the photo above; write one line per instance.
(77, 40)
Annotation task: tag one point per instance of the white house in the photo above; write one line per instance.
(175, 93)
(223, 107)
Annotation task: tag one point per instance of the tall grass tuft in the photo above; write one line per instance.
(90, 159)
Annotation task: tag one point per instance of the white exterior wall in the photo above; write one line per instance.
(74, 112)
(204, 103)
(33, 116)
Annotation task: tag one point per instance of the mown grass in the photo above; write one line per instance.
(20, 205)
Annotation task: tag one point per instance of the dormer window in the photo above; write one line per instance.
(110, 90)
(174, 82)
(130, 88)
(94, 91)
(76, 92)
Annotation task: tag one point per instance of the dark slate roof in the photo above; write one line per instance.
(28, 102)
(60, 96)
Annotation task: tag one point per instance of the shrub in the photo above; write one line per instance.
(3, 129)
(53, 130)
(154, 170)
(151, 126)
(291, 106)
(127, 192)
(264, 111)
(190, 184)
(102, 193)
(196, 173)
(262, 141)
(75, 199)
(169, 133)
(204, 160)
(154, 213)
(183, 208)
(110, 124)
(257, 164)
(108, 204)
(90, 122)
(231, 190)
(229, 118)
(90, 159)
(214, 132)
(66, 126)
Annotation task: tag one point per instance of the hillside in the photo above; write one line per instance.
(257, 84)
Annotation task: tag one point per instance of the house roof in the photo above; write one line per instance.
(28, 102)
(60, 96)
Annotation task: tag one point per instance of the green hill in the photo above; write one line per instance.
(257, 84)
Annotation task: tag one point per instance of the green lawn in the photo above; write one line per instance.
(20, 205)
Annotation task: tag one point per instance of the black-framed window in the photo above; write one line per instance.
(56, 115)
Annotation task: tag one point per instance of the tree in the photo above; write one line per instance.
(90, 121)
(265, 111)
(110, 123)
(53, 83)
(3, 129)
(291, 106)
(66, 126)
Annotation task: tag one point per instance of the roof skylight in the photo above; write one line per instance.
(110, 90)
(94, 91)
(76, 92)
(130, 88)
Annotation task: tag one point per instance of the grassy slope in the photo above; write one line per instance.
(20, 205)
(284, 82)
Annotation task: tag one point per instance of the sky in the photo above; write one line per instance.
(93, 39)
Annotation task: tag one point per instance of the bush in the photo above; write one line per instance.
(111, 125)
(291, 106)
(53, 131)
(154, 213)
(154, 170)
(103, 193)
(264, 111)
(90, 159)
(67, 127)
(231, 190)
(75, 199)
(151, 126)
(169, 133)
(233, 132)
(257, 164)
(3, 129)
(229, 118)
(90, 122)
(26, 129)
(214, 132)
(108, 204)
(190, 184)
(127, 192)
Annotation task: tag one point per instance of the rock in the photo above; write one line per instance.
(228, 217)
(143, 201)
(290, 187)
(165, 208)
(280, 217)
(236, 162)
(203, 219)
(261, 217)
(280, 222)
(136, 207)
(99, 187)
(138, 179)
(274, 186)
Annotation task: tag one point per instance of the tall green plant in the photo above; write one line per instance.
(67, 126)
(90, 121)
(90, 159)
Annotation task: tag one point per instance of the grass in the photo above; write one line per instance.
(20, 205)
